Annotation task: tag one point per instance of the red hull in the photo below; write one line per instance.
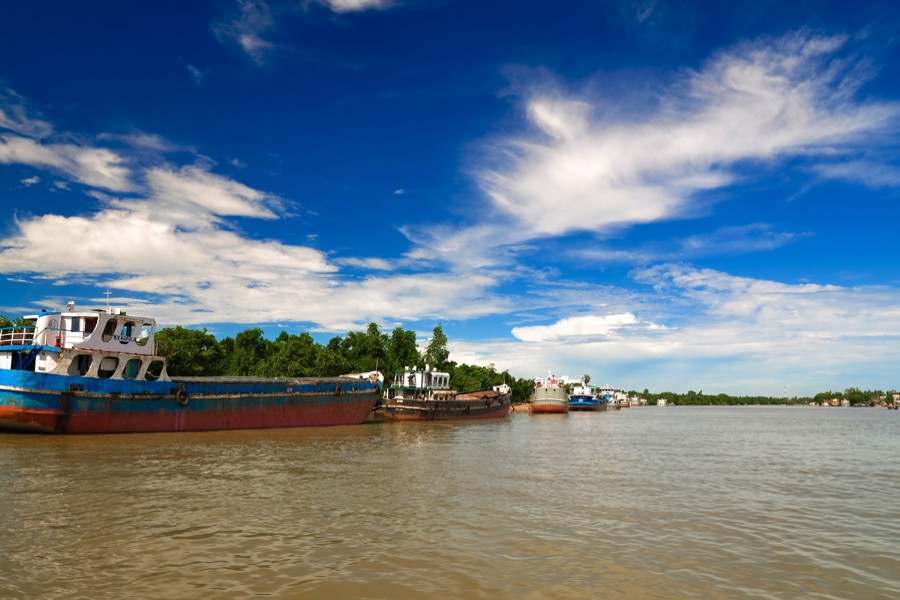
(549, 408)
(312, 414)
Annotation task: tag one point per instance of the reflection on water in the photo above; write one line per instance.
(740, 502)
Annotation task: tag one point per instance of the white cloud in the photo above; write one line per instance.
(253, 20)
(198, 75)
(589, 326)
(374, 264)
(190, 195)
(96, 167)
(15, 115)
(341, 6)
(30, 181)
(755, 237)
(867, 173)
(144, 141)
(756, 102)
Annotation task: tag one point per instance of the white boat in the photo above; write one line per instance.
(549, 395)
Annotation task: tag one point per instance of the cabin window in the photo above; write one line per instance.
(76, 324)
(126, 334)
(132, 368)
(109, 330)
(90, 323)
(107, 367)
(80, 365)
(143, 335)
(154, 370)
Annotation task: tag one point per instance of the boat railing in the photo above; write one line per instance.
(21, 335)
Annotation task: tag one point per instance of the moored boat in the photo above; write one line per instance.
(426, 395)
(583, 397)
(609, 394)
(549, 396)
(98, 372)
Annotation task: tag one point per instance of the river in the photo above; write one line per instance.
(646, 502)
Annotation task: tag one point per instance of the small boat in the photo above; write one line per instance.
(609, 394)
(582, 397)
(425, 395)
(549, 396)
(98, 372)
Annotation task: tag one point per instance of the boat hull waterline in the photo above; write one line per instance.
(49, 403)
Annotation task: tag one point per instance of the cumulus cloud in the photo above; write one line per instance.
(733, 311)
(585, 169)
(589, 326)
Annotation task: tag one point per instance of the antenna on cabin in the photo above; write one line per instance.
(108, 294)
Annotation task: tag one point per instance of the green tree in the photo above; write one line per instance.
(436, 353)
(330, 363)
(402, 350)
(291, 356)
(250, 352)
(189, 352)
(365, 351)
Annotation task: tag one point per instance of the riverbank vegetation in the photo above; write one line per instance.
(194, 352)
(197, 352)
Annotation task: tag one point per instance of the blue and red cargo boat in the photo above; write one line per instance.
(583, 397)
(98, 372)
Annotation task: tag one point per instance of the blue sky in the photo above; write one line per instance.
(664, 195)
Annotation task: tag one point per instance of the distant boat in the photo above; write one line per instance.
(426, 396)
(98, 372)
(661, 402)
(609, 394)
(583, 397)
(549, 396)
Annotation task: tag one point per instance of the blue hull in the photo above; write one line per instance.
(42, 402)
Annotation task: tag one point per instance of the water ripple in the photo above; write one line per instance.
(749, 502)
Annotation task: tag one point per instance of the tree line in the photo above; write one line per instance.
(855, 396)
(193, 352)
